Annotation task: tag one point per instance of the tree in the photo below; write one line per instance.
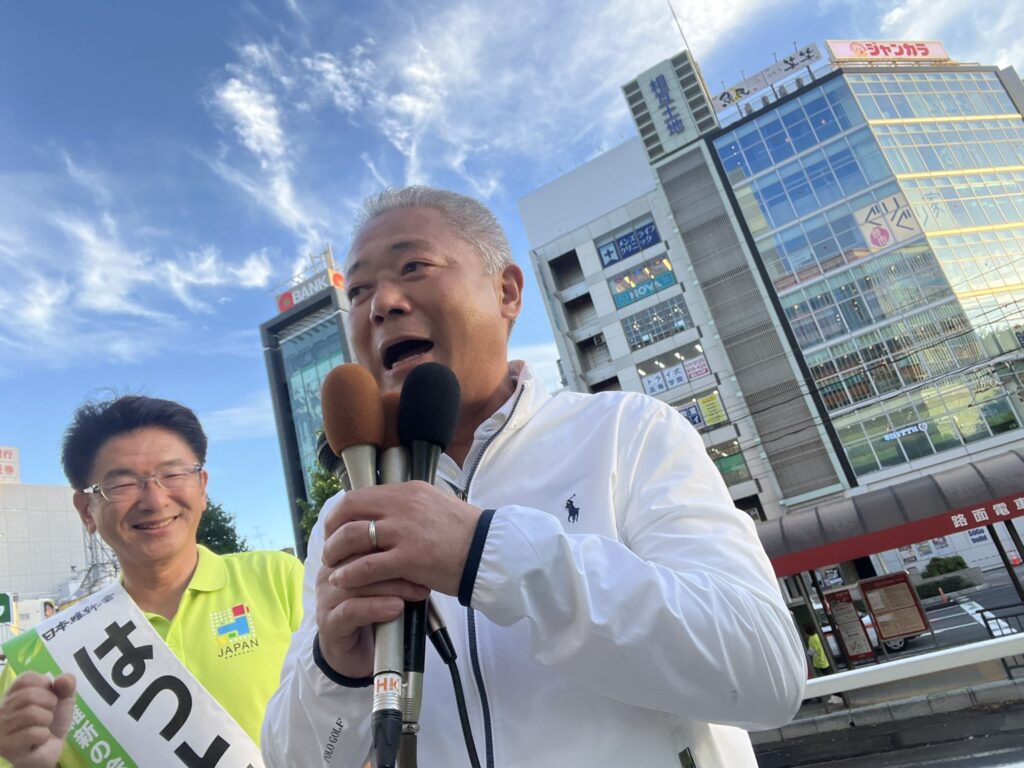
(217, 531)
(323, 485)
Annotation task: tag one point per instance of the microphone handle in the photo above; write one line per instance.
(388, 652)
(361, 465)
(423, 459)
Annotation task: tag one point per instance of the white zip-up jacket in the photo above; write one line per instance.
(618, 610)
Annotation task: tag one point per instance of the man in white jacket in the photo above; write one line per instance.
(608, 603)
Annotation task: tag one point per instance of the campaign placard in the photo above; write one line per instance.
(136, 705)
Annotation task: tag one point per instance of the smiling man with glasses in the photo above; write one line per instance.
(137, 466)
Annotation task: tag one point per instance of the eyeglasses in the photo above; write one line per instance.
(125, 488)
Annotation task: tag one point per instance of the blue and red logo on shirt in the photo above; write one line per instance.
(234, 631)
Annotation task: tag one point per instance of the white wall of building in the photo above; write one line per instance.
(41, 540)
(573, 211)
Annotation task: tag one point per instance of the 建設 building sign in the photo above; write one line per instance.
(766, 78)
(886, 50)
(667, 106)
(304, 290)
(10, 471)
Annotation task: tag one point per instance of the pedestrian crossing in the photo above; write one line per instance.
(999, 627)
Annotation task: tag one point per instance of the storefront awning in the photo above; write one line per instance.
(971, 495)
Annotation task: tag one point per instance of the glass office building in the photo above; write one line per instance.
(300, 346)
(886, 205)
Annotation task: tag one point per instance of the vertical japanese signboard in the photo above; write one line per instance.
(663, 96)
(10, 466)
(847, 626)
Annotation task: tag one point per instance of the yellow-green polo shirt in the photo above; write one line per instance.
(231, 630)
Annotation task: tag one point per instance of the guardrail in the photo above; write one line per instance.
(1002, 620)
(915, 666)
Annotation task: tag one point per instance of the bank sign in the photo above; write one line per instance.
(304, 290)
(644, 289)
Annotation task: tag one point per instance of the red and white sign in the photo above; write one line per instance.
(894, 606)
(304, 290)
(966, 519)
(10, 465)
(849, 630)
(696, 367)
(886, 50)
(887, 221)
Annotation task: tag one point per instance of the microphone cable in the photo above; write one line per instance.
(442, 642)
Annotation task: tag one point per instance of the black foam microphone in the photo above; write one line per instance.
(328, 459)
(428, 413)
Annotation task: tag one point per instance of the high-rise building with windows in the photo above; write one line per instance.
(885, 204)
(840, 240)
(301, 345)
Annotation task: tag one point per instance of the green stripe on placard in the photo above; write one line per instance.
(27, 653)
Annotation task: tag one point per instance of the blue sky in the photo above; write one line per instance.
(164, 168)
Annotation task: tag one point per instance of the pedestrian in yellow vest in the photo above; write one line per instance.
(819, 660)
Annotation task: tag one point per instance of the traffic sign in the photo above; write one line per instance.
(6, 608)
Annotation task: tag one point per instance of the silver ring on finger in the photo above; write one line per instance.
(373, 535)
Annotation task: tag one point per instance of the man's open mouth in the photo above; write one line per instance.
(403, 350)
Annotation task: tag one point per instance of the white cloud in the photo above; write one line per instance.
(79, 287)
(452, 92)
(108, 273)
(368, 162)
(255, 116)
(343, 84)
(41, 305)
(985, 31)
(90, 179)
(455, 91)
(255, 271)
(205, 268)
(247, 99)
(250, 419)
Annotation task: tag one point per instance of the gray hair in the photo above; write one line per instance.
(470, 219)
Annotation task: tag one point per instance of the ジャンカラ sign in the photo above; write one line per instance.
(886, 50)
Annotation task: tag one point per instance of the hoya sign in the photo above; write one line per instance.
(912, 429)
(310, 287)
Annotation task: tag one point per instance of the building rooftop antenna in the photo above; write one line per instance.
(680, 28)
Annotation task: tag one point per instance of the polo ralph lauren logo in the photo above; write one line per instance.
(572, 509)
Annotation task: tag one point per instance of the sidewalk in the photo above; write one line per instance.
(971, 733)
(819, 728)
